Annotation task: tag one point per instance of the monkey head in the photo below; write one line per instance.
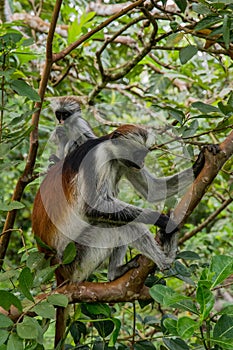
(66, 108)
(131, 143)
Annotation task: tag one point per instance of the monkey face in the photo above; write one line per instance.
(62, 115)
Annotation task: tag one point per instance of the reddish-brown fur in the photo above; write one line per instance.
(50, 204)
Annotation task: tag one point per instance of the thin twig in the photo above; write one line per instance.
(206, 222)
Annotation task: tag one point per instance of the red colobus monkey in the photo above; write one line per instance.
(125, 143)
(77, 201)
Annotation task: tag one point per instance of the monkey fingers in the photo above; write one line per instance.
(61, 132)
(167, 226)
(198, 165)
(212, 148)
(122, 269)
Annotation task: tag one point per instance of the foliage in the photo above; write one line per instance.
(180, 82)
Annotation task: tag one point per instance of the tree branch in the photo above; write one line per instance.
(206, 222)
(83, 38)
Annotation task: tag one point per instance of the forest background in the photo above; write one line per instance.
(167, 64)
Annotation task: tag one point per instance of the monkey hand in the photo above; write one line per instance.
(122, 269)
(61, 133)
(198, 165)
(53, 158)
(167, 227)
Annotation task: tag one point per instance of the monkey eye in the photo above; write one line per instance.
(62, 115)
(66, 115)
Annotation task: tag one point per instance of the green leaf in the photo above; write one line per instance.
(223, 344)
(182, 4)
(44, 245)
(98, 308)
(11, 206)
(228, 310)
(86, 17)
(207, 22)
(15, 343)
(104, 328)
(23, 89)
(4, 334)
(77, 329)
(165, 295)
(204, 107)
(188, 255)
(144, 345)
(176, 114)
(115, 333)
(201, 9)
(74, 31)
(226, 28)
(187, 53)
(35, 260)
(7, 299)
(191, 129)
(175, 344)
(181, 269)
(186, 326)
(12, 36)
(26, 282)
(224, 327)
(5, 321)
(220, 268)
(174, 39)
(80, 26)
(4, 276)
(69, 254)
(45, 310)
(44, 275)
(171, 325)
(225, 109)
(187, 305)
(58, 300)
(206, 301)
(29, 328)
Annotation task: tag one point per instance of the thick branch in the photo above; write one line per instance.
(129, 287)
(197, 190)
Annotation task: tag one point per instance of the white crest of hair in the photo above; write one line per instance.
(72, 102)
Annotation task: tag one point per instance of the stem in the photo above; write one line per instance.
(2, 96)
(208, 334)
(203, 338)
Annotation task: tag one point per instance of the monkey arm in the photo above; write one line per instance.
(118, 213)
(158, 189)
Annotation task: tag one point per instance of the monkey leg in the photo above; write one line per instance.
(116, 266)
